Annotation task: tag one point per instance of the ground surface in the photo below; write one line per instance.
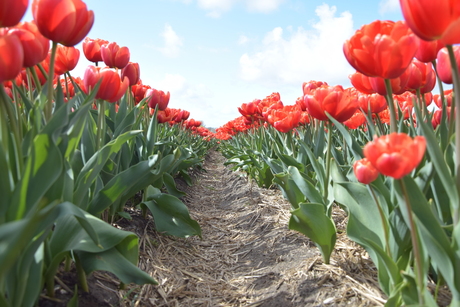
(246, 257)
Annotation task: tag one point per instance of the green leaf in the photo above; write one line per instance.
(124, 185)
(42, 168)
(311, 220)
(290, 189)
(95, 164)
(172, 216)
(309, 190)
(115, 262)
(170, 185)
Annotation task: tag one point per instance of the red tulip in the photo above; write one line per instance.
(432, 20)
(448, 96)
(11, 12)
(132, 71)
(11, 56)
(156, 97)
(361, 83)
(112, 87)
(395, 154)
(421, 76)
(398, 85)
(63, 21)
(285, 119)
(356, 120)
(115, 56)
(381, 49)
(444, 67)
(375, 103)
(364, 171)
(427, 51)
(92, 49)
(339, 103)
(139, 90)
(34, 44)
(307, 87)
(66, 59)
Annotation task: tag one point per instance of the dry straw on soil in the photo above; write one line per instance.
(247, 256)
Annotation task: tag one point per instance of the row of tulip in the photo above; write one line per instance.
(376, 150)
(74, 152)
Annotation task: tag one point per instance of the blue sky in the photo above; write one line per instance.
(214, 55)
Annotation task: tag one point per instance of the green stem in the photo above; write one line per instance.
(415, 245)
(7, 108)
(386, 229)
(81, 275)
(38, 86)
(455, 105)
(100, 136)
(391, 106)
(328, 161)
(49, 104)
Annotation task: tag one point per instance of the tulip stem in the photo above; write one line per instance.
(415, 245)
(455, 105)
(100, 136)
(328, 161)
(386, 229)
(49, 105)
(391, 106)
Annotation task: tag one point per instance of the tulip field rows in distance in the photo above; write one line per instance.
(74, 152)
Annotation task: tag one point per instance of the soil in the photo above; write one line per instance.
(247, 256)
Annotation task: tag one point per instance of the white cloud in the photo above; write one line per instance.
(388, 6)
(243, 40)
(263, 6)
(302, 55)
(172, 42)
(216, 7)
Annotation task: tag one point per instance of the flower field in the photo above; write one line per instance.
(80, 156)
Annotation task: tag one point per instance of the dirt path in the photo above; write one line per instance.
(247, 256)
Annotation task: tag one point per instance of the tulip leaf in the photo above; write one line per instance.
(124, 185)
(171, 216)
(96, 163)
(42, 167)
(311, 220)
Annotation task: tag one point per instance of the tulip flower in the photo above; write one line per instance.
(285, 119)
(396, 154)
(92, 49)
(115, 56)
(11, 56)
(364, 171)
(381, 49)
(421, 77)
(307, 87)
(427, 50)
(448, 96)
(340, 103)
(356, 120)
(139, 90)
(251, 111)
(156, 97)
(66, 59)
(398, 84)
(431, 20)
(112, 87)
(34, 44)
(375, 103)
(11, 12)
(63, 21)
(444, 66)
(361, 83)
(132, 72)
